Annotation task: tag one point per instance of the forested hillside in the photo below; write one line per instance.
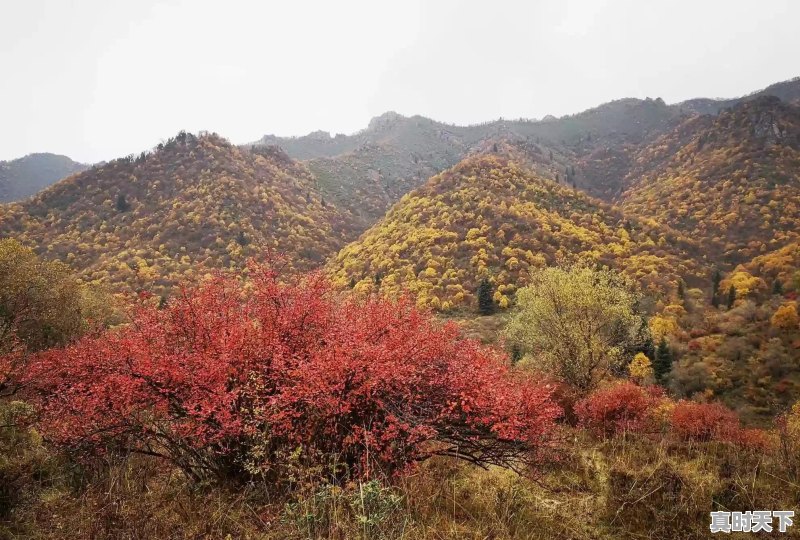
(394, 155)
(595, 148)
(365, 173)
(193, 205)
(582, 327)
(731, 179)
(489, 218)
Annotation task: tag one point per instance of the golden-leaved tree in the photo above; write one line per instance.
(785, 317)
(578, 323)
(42, 305)
(41, 302)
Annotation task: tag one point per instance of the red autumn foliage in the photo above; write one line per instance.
(703, 421)
(234, 373)
(620, 407)
(755, 439)
(693, 421)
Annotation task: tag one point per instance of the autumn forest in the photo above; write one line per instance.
(578, 327)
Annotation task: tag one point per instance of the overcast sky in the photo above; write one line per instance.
(97, 79)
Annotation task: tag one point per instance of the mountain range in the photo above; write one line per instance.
(697, 202)
(633, 183)
(195, 204)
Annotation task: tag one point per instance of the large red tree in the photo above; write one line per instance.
(232, 375)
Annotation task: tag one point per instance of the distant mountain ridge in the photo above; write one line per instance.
(22, 177)
(787, 91)
(198, 203)
(365, 173)
(323, 144)
(396, 154)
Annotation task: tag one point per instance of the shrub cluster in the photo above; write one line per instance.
(231, 377)
(624, 407)
(618, 408)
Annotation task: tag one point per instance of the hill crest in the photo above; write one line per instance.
(490, 218)
(195, 204)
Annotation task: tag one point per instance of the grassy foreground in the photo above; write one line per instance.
(626, 487)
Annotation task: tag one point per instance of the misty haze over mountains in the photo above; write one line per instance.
(788, 91)
(25, 176)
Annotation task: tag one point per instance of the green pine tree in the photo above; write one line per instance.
(241, 239)
(715, 281)
(122, 204)
(485, 300)
(662, 364)
(731, 296)
(777, 287)
(648, 348)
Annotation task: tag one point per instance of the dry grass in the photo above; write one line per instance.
(625, 488)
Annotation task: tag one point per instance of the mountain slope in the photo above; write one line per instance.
(731, 180)
(364, 174)
(195, 204)
(487, 217)
(395, 154)
(21, 178)
(627, 119)
(787, 91)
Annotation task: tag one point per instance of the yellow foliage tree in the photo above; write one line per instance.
(578, 322)
(744, 282)
(641, 369)
(785, 317)
(661, 326)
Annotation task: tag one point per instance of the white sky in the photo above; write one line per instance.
(97, 79)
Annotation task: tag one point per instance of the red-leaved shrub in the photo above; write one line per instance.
(229, 377)
(620, 407)
(703, 421)
(714, 422)
(754, 439)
